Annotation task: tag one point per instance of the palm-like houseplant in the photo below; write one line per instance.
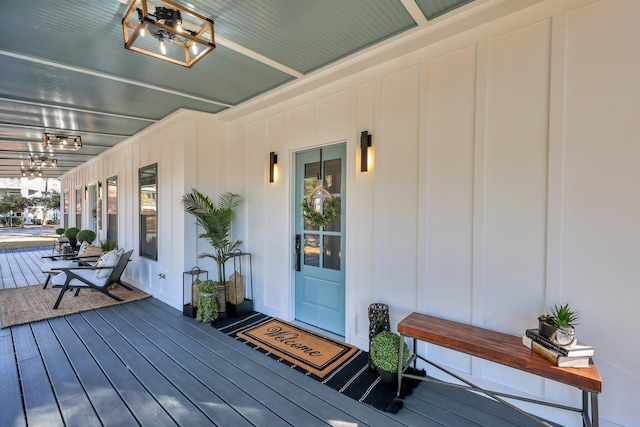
(216, 223)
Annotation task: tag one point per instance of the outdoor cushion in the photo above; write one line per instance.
(86, 274)
(50, 266)
(108, 259)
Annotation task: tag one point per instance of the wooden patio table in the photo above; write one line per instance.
(501, 348)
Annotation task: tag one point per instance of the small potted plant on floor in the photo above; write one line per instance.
(565, 320)
(207, 306)
(385, 348)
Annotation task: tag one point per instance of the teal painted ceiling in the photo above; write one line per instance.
(63, 68)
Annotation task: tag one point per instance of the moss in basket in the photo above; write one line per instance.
(384, 351)
(208, 305)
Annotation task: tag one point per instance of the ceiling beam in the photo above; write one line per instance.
(77, 110)
(256, 56)
(415, 12)
(111, 77)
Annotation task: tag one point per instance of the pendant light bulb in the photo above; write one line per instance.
(163, 48)
(194, 48)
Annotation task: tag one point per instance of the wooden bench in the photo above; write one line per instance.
(501, 348)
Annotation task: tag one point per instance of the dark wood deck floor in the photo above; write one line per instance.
(143, 363)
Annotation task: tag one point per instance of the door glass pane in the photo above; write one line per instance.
(312, 250)
(311, 182)
(331, 254)
(334, 225)
(333, 175)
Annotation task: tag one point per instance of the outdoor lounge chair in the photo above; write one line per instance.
(91, 277)
(56, 262)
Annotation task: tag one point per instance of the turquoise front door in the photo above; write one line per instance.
(320, 257)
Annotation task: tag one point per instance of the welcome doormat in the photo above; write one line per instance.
(351, 377)
(311, 351)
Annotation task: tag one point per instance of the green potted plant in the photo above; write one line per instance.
(59, 231)
(86, 236)
(216, 223)
(107, 245)
(207, 305)
(385, 348)
(565, 319)
(71, 233)
(546, 325)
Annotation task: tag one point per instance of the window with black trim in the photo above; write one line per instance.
(148, 179)
(112, 209)
(78, 223)
(65, 209)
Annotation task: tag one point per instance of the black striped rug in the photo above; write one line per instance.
(352, 378)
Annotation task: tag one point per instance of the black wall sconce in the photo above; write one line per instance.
(273, 161)
(365, 143)
(99, 189)
(86, 192)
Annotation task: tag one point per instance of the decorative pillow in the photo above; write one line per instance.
(108, 259)
(83, 248)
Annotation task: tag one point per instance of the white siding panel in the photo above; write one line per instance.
(333, 113)
(397, 162)
(516, 176)
(601, 268)
(450, 128)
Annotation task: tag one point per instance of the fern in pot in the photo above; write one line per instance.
(207, 306)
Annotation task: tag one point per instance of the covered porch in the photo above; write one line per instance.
(143, 363)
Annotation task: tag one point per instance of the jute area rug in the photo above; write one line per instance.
(349, 374)
(32, 303)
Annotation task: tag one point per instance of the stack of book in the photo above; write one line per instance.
(575, 356)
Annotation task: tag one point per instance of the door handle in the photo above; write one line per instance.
(298, 244)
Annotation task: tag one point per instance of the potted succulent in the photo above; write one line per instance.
(207, 306)
(384, 352)
(71, 233)
(546, 325)
(565, 319)
(86, 236)
(216, 223)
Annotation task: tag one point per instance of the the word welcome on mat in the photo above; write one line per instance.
(314, 352)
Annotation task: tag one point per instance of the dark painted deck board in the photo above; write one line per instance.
(105, 401)
(174, 381)
(193, 357)
(11, 413)
(74, 403)
(272, 386)
(40, 404)
(141, 403)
